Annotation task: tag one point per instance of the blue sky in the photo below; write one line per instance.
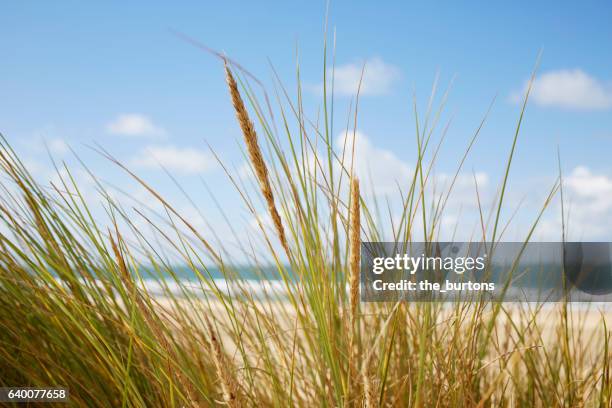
(112, 73)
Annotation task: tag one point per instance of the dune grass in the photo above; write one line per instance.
(74, 311)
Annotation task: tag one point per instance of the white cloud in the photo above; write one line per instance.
(35, 167)
(463, 181)
(383, 170)
(134, 124)
(588, 200)
(591, 190)
(379, 78)
(245, 171)
(588, 185)
(376, 167)
(58, 146)
(47, 139)
(569, 89)
(183, 160)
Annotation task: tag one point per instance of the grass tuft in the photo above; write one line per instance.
(101, 306)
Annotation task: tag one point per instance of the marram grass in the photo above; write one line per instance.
(75, 312)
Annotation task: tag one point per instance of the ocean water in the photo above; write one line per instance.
(257, 282)
(266, 284)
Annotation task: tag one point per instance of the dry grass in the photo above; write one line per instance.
(261, 170)
(74, 311)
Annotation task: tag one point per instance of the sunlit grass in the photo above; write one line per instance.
(75, 311)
